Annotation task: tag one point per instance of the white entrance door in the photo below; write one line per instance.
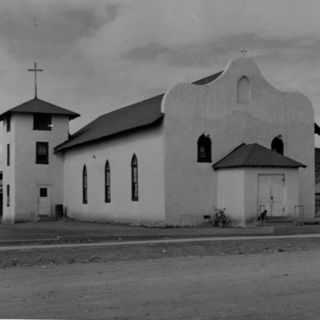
(271, 194)
(44, 201)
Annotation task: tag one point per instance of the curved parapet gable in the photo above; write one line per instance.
(241, 82)
(239, 105)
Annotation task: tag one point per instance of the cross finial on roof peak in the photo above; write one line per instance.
(35, 70)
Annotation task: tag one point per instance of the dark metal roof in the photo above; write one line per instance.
(37, 105)
(137, 115)
(254, 156)
(208, 79)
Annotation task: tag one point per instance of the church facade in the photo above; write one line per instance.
(230, 141)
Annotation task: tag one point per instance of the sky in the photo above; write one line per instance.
(100, 55)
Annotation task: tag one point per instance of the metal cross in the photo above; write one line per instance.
(35, 70)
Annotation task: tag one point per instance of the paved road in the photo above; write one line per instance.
(262, 286)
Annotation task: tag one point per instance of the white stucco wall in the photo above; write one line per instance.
(26, 175)
(190, 110)
(231, 194)
(8, 214)
(148, 147)
(291, 191)
(238, 192)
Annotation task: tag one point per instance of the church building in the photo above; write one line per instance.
(230, 141)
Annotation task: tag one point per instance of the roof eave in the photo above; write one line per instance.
(70, 116)
(61, 148)
(259, 166)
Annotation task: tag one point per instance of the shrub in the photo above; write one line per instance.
(220, 219)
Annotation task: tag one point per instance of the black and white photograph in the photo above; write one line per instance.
(160, 159)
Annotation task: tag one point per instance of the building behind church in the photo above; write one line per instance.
(230, 140)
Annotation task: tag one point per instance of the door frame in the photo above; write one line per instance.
(284, 199)
(49, 188)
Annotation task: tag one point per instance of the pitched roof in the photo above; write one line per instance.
(134, 116)
(254, 155)
(37, 105)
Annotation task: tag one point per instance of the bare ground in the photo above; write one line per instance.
(273, 285)
(58, 255)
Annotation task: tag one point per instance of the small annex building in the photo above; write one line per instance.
(252, 172)
(230, 140)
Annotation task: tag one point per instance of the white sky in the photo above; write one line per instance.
(99, 55)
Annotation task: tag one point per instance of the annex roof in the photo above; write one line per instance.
(134, 116)
(37, 105)
(255, 156)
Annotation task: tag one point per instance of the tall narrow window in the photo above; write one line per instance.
(42, 153)
(8, 195)
(84, 185)
(277, 145)
(8, 122)
(204, 148)
(8, 155)
(107, 178)
(134, 179)
(243, 90)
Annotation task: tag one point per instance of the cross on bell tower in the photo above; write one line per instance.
(35, 70)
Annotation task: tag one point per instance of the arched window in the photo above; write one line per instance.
(8, 195)
(243, 90)
(277, 145)
(134, 179)
(84, 185)
(204, 148)
(107, 183)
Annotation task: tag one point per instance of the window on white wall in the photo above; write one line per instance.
(107, 191)
(42, 152)
(204, 148)
(84, 185)
(277, 145)
(243, 90)
(8, 155)
(42, 121)
(8, 122)
(8, 195)
(134, 179)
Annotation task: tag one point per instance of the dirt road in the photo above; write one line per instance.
(283, 285)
